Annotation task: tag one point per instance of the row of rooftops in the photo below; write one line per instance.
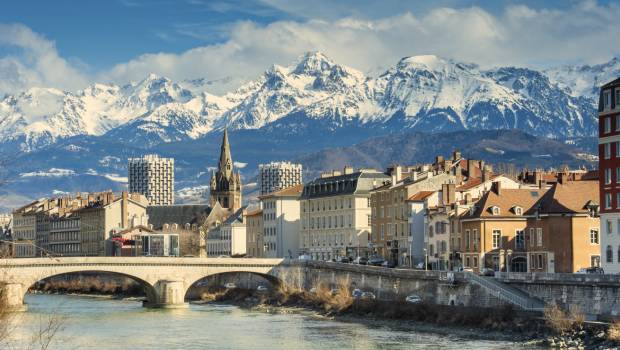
(68, 205)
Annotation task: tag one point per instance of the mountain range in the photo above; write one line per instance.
(63, 141)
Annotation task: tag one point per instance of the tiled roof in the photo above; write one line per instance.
(471, 183)
(293, 191)
(570, 198)
(507, 201)
(420, 196)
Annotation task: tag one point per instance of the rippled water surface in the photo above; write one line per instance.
(99, 323)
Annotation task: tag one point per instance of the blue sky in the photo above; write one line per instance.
(69, 44)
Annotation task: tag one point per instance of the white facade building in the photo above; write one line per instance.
(229, 238)
(277, 176)
(281, 214)
(153, 177)
(336, 213)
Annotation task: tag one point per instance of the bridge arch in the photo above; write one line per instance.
(148, 288)
(272, 280)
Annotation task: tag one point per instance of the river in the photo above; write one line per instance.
(101, 323)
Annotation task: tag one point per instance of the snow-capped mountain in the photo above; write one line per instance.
(585, 80)
(423, 93)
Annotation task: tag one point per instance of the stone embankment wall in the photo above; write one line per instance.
(388, 284)
(595, 295)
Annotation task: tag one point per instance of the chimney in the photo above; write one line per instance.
(124, 214)
(456, 155)
(399, 172)
(541, 184)
(486, 172)
(438, 161)
(563, 178)
(471, 169)
(497, 188)
(448, 194)
(348, 170)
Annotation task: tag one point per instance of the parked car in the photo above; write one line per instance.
(261, 288)
(343, 259)
(375, 261)
(203, 283)
(356, 294)
(413, 299)
(389, 264)
(230, 285)
(360, 260)
(468, 269)
(304, 257)
(335, 291)
(368, 296)
(486, 271)
(595, 270)
(313, 290)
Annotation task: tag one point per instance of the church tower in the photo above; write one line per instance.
(225, 186)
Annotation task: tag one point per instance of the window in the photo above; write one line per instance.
(609, 227)
(382, 232)
(467, 239)
(607, 200)
(497, 236)
(594, 236)
(532, 262)
(518, 211)
(520, 239)
(619, 249)
(475, 261)
(607, 99)
(475, 232)
(618, 200)
(609, 254)
(430, 230)
(617, 99)
(607, 150)
(540, 261)
(532, 239)
(539, 238)
(618, 146)
(467, 262)
(495, 210)
(595, 261)
(607, 125)
(607, 176)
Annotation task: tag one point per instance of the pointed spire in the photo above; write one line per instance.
(226, 164)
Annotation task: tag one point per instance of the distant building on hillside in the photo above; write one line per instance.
(277, 176)
(153, 177)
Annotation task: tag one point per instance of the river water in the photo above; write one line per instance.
(100, 323)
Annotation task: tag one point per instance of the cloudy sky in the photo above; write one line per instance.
(68, 44)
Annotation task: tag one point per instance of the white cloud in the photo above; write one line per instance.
(369, 38)
(518, 36)
(240, 165)
(52, 172)
(37, 62)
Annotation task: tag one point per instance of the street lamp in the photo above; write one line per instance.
(425, 260)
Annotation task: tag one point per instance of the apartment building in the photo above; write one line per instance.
(390, 218)
(153, 177)
(336, 213)
(254, 236)
(533, 230)
(229, 238)
(76, 226)
(416, 207)
(609, 170)
(281, 222)
(276, 176)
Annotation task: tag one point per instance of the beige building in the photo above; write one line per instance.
(391, 236)
(254, 233)
(281, 216)
(76, 226)
(534, 230)
(336, 213)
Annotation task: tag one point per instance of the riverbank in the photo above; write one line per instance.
(504, 324)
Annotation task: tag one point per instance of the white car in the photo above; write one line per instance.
(413, 299)
(230, 285)
(261, 288)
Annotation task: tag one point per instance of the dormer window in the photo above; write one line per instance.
(495, 210)
(517, 210)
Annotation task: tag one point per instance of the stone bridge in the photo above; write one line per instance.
(165, 280)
